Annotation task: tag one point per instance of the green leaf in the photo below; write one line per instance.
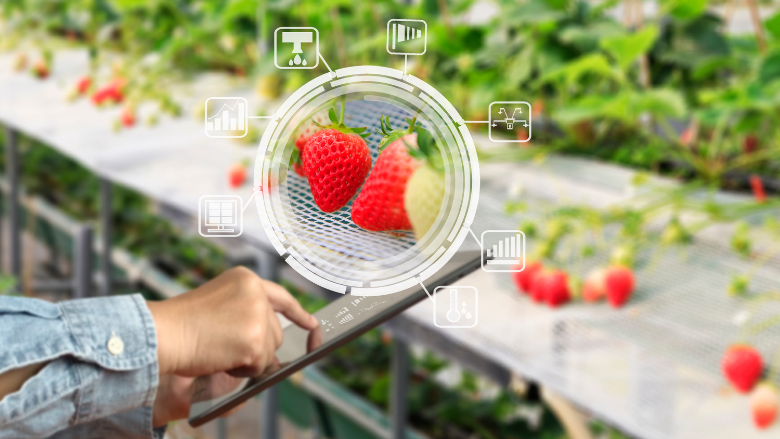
(593, 107)
(770, 68)
(535, 11)
(772, 25)
(625, 49)
(332, 116)
(573, 71)
(684, 9)
(659, 102)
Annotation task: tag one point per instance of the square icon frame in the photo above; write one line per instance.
(240, 215)
(206, 118)
(490, 121)
(425, 37)
(476, 306)
(484, 259)
(316, 48)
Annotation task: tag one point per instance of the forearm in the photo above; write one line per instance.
(13, 380)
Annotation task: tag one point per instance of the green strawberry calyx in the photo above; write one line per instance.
(338, 123)
(427, 150)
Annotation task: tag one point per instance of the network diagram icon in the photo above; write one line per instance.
(504, 116)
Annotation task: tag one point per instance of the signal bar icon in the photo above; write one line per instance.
(410, 33)
(403, 37)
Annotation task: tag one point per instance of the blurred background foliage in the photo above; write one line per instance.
(671, 93)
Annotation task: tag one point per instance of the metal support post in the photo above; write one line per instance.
(82, 263)
(222, 430)
(268, 268)
(12, 169)
(105, 233)
(400, 385)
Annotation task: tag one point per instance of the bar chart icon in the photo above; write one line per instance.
(226, 117)
(504, 250)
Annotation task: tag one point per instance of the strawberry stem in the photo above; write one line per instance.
(426, 150)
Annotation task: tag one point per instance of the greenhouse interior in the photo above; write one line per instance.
(286, 219)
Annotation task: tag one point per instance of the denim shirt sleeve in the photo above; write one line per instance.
(83, 380)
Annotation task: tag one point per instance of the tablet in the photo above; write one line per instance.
(341, 321)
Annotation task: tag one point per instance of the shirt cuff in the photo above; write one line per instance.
(118, 334)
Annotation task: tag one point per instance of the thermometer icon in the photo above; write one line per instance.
(453, 315)
(457, 306)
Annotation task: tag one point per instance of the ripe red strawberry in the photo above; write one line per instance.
(40, 69)
(111, 92)
(337, 161)
(310, 127)
(82, 85)
(742, 366)
(523, 278)
(593, 289)
(750, 144)
(687, 136)
(380, 204)
(556, 288)
(127, 117)
(619, 284)
(538, 286)
(758, 188)
(764, 405)
(237, 176)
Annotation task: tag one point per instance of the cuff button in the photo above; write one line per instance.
(115, 345)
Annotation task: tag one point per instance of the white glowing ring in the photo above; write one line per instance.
(463, 216)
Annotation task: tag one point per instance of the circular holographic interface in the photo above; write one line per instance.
(328, 248)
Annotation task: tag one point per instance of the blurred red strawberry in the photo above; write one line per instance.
(757, 185)
(764, 405)
(236, 176)
(83, 84)
(618, 284)
(557, 289)
(537, 107)
(523, 278)
(40, 69)
(742, 366)
(110, 93)
(593, 290)
(538, 286)
(127, 117)
(750, 144)
(686, 137)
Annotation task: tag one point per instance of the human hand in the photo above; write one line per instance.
(226, 325)
(175, 394)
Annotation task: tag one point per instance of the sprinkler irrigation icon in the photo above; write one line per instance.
(296, 47)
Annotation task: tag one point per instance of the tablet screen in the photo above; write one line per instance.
(340, 322)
